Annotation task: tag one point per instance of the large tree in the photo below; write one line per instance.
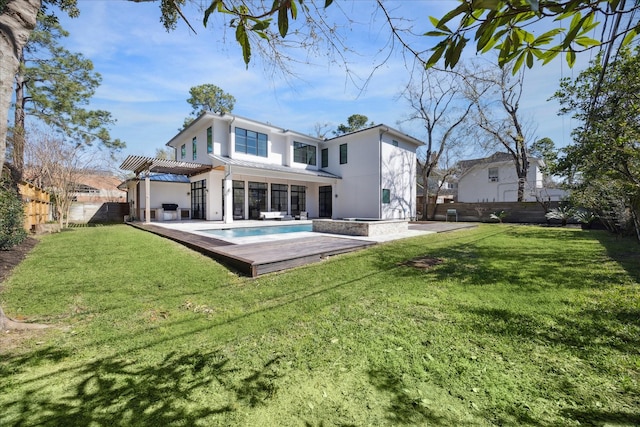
(54, 85)
(604, 159)
(437, 102)
(496, 94)
(57, 166)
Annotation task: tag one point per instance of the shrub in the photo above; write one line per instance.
(585, 216)
(11, 218)
(500, 215)
(563, 213)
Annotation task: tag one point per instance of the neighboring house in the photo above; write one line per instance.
(239, 168)
(494, 179)
(88, 186)
(98, 188)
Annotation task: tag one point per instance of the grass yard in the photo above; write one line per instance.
(500, 325)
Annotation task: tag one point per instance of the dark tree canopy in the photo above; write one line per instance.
(354, 122)
(209, 97)
(603, 163)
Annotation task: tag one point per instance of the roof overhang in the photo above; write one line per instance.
(272, 171)
(139, 164)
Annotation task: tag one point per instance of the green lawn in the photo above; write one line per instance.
(515, 326)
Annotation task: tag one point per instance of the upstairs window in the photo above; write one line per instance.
(325, 157)
(493, 174)
(250, 142)
(304, 153)
(183, 151)
(343, 154)
(394, 143)
(194, 147)
(209, 140)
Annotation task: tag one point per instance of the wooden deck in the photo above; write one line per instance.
(254, 259)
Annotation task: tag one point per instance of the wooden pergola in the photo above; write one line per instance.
(146, 165)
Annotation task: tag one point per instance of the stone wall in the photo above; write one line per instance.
(98, 213)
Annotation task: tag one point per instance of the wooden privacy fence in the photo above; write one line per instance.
(521, 212)
(37, 205)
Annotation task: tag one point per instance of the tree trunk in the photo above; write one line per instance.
(10, 324)
(17, 140)
(17, 20)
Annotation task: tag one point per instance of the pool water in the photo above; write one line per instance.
(259, 231)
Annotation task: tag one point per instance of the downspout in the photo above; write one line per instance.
(224, 195)
(228, 172)
(382, 132)
(229, 145)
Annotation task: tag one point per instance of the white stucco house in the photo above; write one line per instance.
(494, 179)
(238, 168)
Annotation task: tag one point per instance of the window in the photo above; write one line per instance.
(325, 157)
(298, 199)
(493, 174)
(279, 197)
(343, 154)
(209, 140)
(194, 147)
(394, 143)
(386, 195)
(183, 151)
(250, 142)
(304, 153)
(83, 188)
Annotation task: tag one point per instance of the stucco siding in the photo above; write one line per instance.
(165, 192)
(399, 177)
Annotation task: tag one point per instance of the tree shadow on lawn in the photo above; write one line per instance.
(120, 391)
(603, 418)
(530, 268)
(590, 335)
(624, 250)
(404, 409)
(585, 333)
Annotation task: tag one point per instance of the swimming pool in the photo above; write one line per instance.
(259, 231)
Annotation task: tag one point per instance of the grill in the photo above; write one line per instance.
(170, 206)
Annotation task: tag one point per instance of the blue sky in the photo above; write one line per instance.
(147, 72)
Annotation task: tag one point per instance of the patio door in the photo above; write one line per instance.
(325, 202)
(257, 199)
(238, 199)
(199, 199)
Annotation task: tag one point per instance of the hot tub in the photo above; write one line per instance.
(360, 226)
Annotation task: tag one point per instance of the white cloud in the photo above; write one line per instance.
(147, 72)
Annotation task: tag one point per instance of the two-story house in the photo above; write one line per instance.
(494, 179)
(239, 168)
